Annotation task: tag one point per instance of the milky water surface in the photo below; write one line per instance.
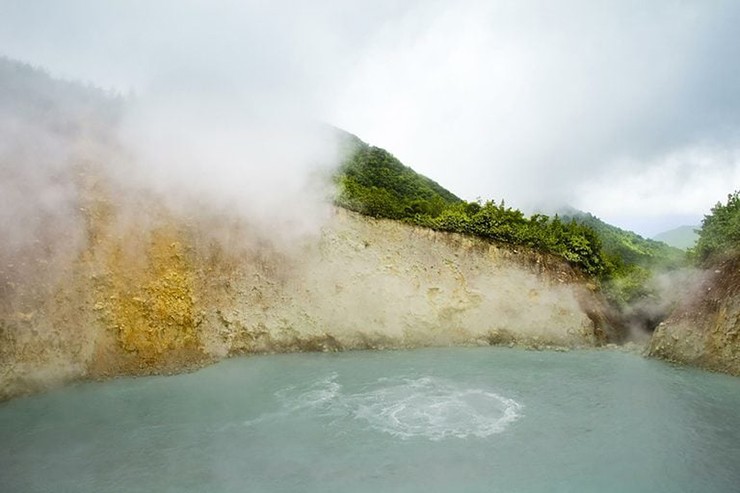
(465, 419)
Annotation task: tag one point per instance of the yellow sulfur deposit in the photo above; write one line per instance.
(150, 302)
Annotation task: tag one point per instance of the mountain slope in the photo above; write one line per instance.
(683, 237)
(628, 247)
(633, 267)
(373, 182)
(29, 94)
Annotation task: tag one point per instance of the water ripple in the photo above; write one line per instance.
(426, 407)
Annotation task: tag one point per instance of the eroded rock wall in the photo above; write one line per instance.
(155, 291)
(705, 328)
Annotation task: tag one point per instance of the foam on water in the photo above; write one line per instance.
(324, 396)
(407, 407)
(435, 409)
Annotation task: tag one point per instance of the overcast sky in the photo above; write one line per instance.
(630, 110)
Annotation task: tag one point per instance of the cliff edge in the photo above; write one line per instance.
(704, 330)
(163, 292)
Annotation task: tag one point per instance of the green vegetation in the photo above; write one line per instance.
(627, 247)
(373, 182)
(720, 230)
(630, 259)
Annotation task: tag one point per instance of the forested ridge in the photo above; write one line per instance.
(375, 183)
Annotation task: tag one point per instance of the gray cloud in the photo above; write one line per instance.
(538, 104)
(582, 102)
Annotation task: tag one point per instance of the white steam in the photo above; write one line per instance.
(40, 225)
(199, 152)
(199, 158)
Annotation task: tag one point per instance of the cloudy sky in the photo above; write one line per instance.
(630, 110)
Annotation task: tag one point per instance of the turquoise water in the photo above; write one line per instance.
(453, 420)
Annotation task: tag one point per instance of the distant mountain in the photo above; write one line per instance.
(683, 237)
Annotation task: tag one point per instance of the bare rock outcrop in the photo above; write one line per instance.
(153, 291)
(705, 328)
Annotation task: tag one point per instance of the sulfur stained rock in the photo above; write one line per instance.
(158, 291)
(151, 303)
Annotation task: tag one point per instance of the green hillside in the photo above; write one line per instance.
(720, 230)
(373, 182)
(631, 259)
(683, 237)
(627, 247)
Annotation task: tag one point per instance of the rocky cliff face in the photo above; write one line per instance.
(153, 291)
(705, 328)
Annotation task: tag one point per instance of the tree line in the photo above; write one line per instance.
(720, 230)
(373, 182)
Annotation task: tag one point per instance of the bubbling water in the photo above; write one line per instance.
(424, 407)
(435, 409)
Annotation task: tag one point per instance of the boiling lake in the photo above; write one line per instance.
(428, 420)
